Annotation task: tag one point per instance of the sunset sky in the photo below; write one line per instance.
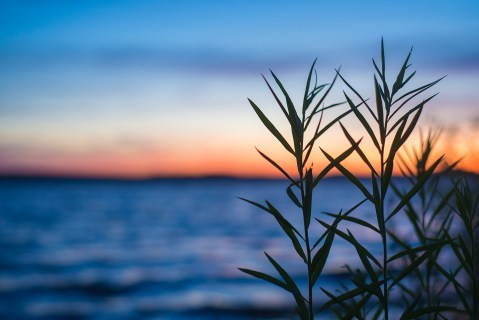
(151, 88)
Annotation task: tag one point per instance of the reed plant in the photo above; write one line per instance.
(465, 276)
(388, 125)
(303, 124)
(388, 122)
(430, 218)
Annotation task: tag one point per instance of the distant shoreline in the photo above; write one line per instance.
(46, 177)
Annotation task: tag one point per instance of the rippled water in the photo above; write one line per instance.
(166, 249)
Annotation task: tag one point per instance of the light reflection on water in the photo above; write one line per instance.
(153, 249)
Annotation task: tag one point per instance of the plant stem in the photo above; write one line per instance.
(306, 236)
(384, 236)
(475, 287)
(310, 275)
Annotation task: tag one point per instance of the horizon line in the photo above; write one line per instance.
(50, 176)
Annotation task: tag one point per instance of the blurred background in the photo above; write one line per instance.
(133, 90)
(144, 88)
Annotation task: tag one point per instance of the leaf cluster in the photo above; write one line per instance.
(388, 122)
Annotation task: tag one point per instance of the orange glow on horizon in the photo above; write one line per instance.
(115, 167)
(240, 162)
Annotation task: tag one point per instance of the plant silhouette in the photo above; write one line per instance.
(388, 122)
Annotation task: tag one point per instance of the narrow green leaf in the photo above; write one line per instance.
(320, 102)
(383, 68)
(363, 254)
(326, 128)
(360, 248)
(296, 124)
(333, 164)
(351, 310)
(395, 145)
(357, 221)
(338, 219)
(377, 69)
(363, 121)
(395, 238)
(376, 198)
(409, 78)
(379, 110)
(306, 91)
(310, 148)
(358, 149)
(308, 118)
(411, 126)
(459, 289)
(301, 305)
(373, 288)
(403, 118)
(360, 305)
(410, 308)
(383, 59)
(349, 175)
(277, 99)
(467, 256)
(320, 258)
(283, 220)
(419, 313)
(411, 291)
(458, 252)
(292, 196)
(410, 268)
(287, 228)
(308, 197)
(413, 251)
(412, 93)
(266, 277)
(271, 127)
(343, 297)
(398, 84)
(359, 96)
(378, 312)
(420, 183)
(277, 166)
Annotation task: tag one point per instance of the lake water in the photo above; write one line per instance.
(163, 249)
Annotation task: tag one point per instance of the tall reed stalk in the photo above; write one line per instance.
(430, 219)
(391, 122)
(466, 248)
(311, 250)
(388, 123)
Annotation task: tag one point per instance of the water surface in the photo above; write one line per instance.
(163, 249)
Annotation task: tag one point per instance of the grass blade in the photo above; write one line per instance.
(283, 220)
(358, 149)
(398, 84)
(292, 196)
(266, 277)
(410, 268)
(413, 251)
(301, 305)
(306, 91)
(363, 121)
(276, 98)
(349, 175)
(420, 183)
(277, 166)
(355, 220)
(271, 127)
(287, 228)
(379, 110)
(333, 164)
(359, 96)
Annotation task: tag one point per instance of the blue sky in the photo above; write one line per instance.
(160, 87)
